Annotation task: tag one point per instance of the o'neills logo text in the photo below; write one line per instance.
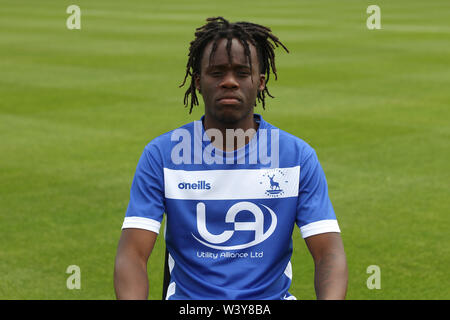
(262, 148)
(199, 185)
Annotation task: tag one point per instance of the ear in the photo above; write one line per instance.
(197, 82)
(262, 82)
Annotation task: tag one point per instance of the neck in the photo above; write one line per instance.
(233, 135)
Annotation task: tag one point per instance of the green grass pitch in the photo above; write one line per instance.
(77, 108)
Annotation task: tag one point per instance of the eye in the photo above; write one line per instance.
(216, 73)
(243, 73)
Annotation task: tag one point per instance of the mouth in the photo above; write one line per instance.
(229, 100)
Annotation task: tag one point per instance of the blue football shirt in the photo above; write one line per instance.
(230, 215)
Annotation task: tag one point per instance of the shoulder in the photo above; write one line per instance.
(292, 147)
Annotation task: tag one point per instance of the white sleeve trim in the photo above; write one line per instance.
(318, 227)
(141, 223)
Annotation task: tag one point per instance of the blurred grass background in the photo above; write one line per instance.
(77, 108)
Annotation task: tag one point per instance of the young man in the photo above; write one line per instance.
(232, 186)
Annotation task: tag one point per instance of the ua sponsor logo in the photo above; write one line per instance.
(257, 226)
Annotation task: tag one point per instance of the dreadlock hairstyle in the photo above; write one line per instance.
(218, 28)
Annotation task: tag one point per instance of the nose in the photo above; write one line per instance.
(229, 81)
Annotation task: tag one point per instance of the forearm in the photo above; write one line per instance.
(130, 279)
(331, 276)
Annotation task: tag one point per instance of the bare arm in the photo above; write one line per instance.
(130, 270)
(331, 274)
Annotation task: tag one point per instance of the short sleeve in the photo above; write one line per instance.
(146, 207)
(315, 214)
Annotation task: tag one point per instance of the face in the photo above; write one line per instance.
(229, 90)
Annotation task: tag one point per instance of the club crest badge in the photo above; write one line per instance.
(274, 180)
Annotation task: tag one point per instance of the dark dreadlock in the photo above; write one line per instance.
(246, 32)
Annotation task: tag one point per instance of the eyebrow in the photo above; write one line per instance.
(225, 65)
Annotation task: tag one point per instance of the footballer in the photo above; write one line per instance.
(233, 187)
